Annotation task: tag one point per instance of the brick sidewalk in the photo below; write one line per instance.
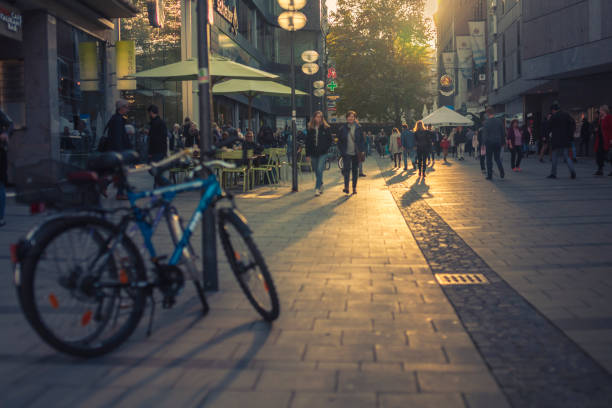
(549, 239)
(362, 323)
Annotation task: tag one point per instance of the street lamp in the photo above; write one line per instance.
(292, 20)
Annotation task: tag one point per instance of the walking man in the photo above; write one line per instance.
(562, 128)
(118, 139)
(460, 139)
(494, 135)
(158, 135)
(6, 127)
(408, 147)
(352, 146)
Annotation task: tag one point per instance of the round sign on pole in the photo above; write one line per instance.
(319, 92)
(310, 68)
(292, 4)
(292, 20)
(318, 84)
(310, 56)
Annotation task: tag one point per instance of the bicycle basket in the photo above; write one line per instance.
(47, 182)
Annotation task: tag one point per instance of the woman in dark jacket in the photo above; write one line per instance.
(423, 143)
(318, 141)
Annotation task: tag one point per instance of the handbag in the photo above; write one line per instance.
(362, 156)
(104, 143)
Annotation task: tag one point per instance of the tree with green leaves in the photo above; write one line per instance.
(379, 50)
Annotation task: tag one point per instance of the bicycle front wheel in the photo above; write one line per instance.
(248, 265)
(76, 292)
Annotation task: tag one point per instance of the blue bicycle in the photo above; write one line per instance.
(82, 281)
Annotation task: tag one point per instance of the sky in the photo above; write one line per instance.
(430, 7)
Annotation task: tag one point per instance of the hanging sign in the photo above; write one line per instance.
(477, 37)
(331, 73)
(464, 55)
(229, 14)
(447, 85)
(88, 66)
(11, 22)
(126, 64)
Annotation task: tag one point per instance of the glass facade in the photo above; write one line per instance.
(155, 47)
(81, 64)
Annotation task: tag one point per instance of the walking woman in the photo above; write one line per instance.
(352, 147)
(423, 142)
(395, 148)
(515, 144)
(318, 141)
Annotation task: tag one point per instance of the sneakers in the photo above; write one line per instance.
(345, 190)
(552, 176)
(363, 174)
(321, 189)
(514, 169)
(354, 190)
(573, 175)
(317, 192)
(518, 169)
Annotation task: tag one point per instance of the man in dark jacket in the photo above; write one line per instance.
(351, 143)
(494, 136)
(460, 140)
(118, 139)
(6, 127)
(562, 128)
(158, 135)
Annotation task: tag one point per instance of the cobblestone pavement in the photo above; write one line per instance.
(517, 340)
(363, 323)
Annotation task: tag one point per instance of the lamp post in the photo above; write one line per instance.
(209, 234)
(310, 68)
(292, 20)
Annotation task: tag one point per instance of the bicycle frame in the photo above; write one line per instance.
(212, 190)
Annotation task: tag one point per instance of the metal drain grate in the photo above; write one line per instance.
(461, 279)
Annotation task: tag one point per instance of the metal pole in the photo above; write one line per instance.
(294, 168)
(310, 99)
(209, 233)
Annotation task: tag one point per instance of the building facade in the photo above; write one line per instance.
(541, 52)
(253, 38)
(59, 106)
(461, 55)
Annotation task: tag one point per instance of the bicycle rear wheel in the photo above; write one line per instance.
(76, 293)
(340, 162)
(248, 265)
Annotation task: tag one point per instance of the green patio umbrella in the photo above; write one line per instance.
(187, 70)
(251, 89)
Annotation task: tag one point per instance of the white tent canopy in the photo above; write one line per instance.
(446, 117)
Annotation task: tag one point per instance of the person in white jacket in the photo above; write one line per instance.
(395, 148)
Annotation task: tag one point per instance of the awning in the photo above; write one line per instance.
(253, 88)
(446, 117)
(187, 70)
(113, 8)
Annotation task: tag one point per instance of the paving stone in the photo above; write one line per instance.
(392, 400)
(353, 400)
(376, 381)
(319, 380)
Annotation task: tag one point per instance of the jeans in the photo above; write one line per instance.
(493, 150)
(318, 165)
(584, 147)
(600, 157)
(351, 165)
(397, 159)
(555, 157)
(460, 150)
(2, 200)
(422, 155)
(409, 154)
(516, 155)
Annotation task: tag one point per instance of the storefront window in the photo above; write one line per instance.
(81, 71)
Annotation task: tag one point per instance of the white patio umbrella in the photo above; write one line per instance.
(446, 117)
